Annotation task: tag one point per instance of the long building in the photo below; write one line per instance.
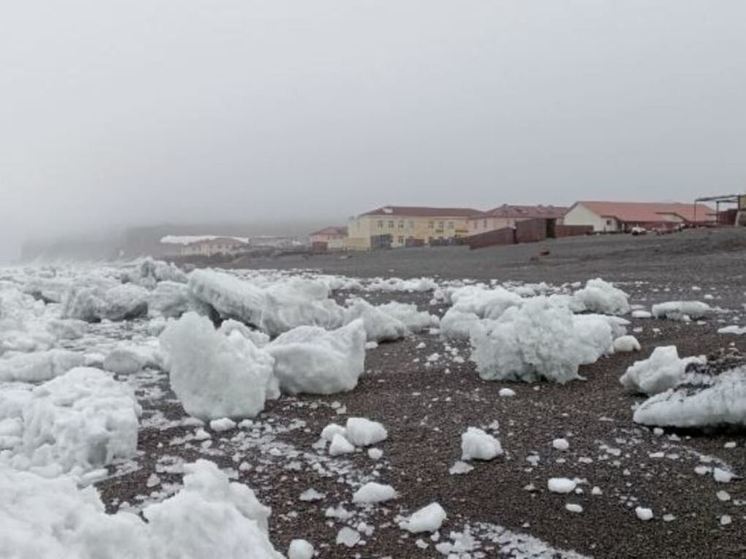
(399, 226)
(508, 215)
(613, 217)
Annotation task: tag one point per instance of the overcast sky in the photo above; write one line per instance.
(116, 112)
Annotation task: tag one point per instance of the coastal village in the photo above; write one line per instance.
(393, 227)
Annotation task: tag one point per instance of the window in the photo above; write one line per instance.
(411, 224)
(484, 224)
(430, 224)
(401, 240)
(380, 224)
(391, 224)
(401, 224)
(608, 222)
(450, 225)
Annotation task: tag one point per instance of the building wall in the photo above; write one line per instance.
(485, 224)
(208, 248)
(580, 215)
(401, 228)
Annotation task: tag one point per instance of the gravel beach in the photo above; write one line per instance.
(426, 402)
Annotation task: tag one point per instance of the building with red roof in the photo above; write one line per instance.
(508, 215)
(623, 216)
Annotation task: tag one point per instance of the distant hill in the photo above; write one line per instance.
(145, 240)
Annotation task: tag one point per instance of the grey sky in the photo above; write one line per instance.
(139, 111)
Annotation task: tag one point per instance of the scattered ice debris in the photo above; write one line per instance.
(723, 496)
(223, 424)
(561, 444)
(561, 485)
(682, 310)
(506, 392)
(375, 453)
(644, 514)
(348, 537)
(476, 444)
(311, 360)
(573, 507)
(426, 519)
(659, 372)
(340, 445)
(641, 314)
(737, 330)
(364, 432)
(373, 492)
(460, 468)
(722, 476)
(626, 344)
(215, 376)
(300, 549)
(311, 495)
(328, 432)
(602, 297)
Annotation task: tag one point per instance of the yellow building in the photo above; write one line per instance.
(399, 226)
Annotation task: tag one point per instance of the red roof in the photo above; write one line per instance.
(528, 212)
(333, 230)
(644, 212)
(421, 211)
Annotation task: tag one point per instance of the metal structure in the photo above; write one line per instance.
(738, 199)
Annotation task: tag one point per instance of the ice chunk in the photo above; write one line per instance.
(340, 445)
(561, 444)
(78, 421)
(312, 360)
(478, 445)
(300, 549)
(639, 313)
(364, 432)
(127, 359)
(373, 492)
(259, 339)
(216, 376)
(274, 309)
(212, 516)
(328, 432)
(92, 304)
(506, 392)
(348, 537)
(561, 485)
(644, 514)
(682, 310)
(736, 330)
(222, 424)
(659, 372)
(460, 468)
(700, 401)
(601, 297)
(169, 299)
(379, 325)
(35, 367)
(427, 519)
(540, 339)
(624, 344)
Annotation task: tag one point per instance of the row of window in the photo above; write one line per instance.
(430, 224)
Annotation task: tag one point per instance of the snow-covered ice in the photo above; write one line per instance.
(364, 432)
(599, 296)
(311, 360)
(682, 310)
(658, 373)
(373, 492)
(476, 444)
(427, 519)
(216, 376)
